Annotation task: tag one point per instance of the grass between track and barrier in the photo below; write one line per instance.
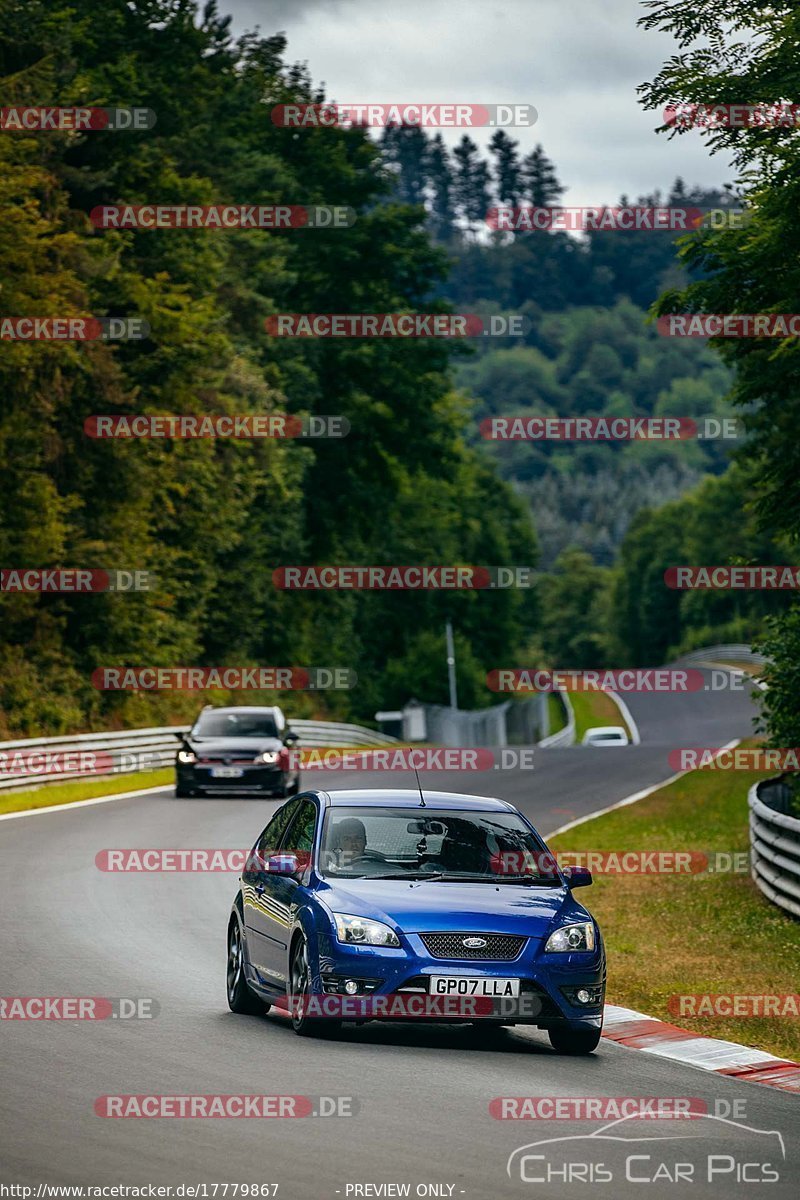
(595, 708)
(94, 787)
(673, 935)
(83, 789)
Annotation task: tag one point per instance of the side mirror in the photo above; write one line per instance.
(290, 738)
(282, 864)
(577, 877)
(181, 736)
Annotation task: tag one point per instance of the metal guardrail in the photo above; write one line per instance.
(565, 736)
(84, 755)
(735, 653)
(775, 845)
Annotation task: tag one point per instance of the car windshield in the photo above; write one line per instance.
(235, 725)
(409, 843)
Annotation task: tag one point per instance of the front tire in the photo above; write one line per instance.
(574, 1041)
(300, 984)
(182, 792)
(241, 997)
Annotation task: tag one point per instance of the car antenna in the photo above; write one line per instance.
(419, 785)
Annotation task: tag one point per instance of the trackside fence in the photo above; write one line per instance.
(59, 759)
(775, 844)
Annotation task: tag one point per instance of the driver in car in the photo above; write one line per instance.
(351, 841)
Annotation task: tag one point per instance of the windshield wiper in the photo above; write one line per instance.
(413, 875)
(532, 880)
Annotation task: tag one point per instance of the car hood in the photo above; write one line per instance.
(431, 905)
(248, 746)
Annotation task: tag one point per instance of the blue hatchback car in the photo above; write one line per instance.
(361, 905)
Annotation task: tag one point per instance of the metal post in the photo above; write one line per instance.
(451, 665)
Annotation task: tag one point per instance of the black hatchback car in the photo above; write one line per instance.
(245, 750)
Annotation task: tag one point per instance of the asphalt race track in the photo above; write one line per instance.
(422, 1092)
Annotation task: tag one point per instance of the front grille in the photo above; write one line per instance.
(499, 947)
(219, 760)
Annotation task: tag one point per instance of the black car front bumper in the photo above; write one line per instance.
(258, 778)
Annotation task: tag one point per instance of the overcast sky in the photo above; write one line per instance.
(577, 61)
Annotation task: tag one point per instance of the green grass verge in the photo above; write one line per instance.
(686, 934)
(595, 708)
(555, 711)
(83, 789)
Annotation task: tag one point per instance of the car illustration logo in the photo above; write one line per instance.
(473, 943)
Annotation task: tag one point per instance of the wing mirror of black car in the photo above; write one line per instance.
(181, 736)
(290, 738)
(577, 877)
(282, 864)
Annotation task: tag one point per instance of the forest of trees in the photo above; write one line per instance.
(414, 481)
(589, 350)
(212, 519)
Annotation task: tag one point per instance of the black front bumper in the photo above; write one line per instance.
(264, 780)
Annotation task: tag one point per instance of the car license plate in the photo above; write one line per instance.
(226, 772)
(464, 985)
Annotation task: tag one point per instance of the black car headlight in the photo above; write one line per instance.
(187, 756)
(571, 937)
(268, 758)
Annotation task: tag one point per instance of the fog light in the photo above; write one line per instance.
(582, 996)
(350, 986)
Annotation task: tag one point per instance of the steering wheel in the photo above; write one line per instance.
(371, 856)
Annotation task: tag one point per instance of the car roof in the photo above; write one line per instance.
(409, 798)
(239, 708)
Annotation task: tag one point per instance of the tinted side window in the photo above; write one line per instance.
(300, 837)
(270, 839)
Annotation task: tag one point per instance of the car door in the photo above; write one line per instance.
(255, 896)
(280, 897)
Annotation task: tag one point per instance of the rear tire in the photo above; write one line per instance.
(574, 1041)
(182, 792)
(241, 997)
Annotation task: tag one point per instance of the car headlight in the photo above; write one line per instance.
(269, 757)
(571, 937)
(187, 756)
(359, 931)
